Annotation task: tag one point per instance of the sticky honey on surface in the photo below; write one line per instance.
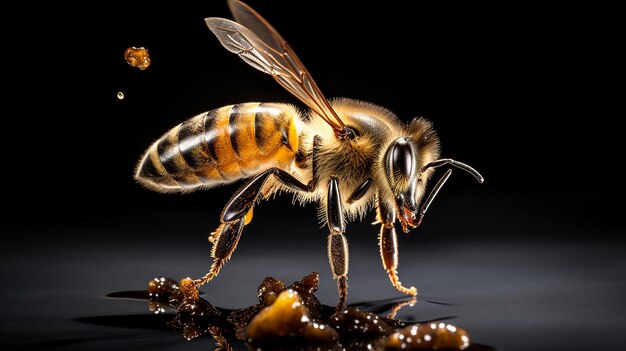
(137, 57)
(288, 318)
(428, 336)
(287, 321)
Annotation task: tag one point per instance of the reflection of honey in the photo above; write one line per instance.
(292, 318)
(137, 57)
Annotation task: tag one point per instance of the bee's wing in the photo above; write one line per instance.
(262, 47)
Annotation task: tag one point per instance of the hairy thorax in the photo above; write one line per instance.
(352, 161)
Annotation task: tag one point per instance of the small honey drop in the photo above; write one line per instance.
(137, 57)
(433, 336)
(288, 322)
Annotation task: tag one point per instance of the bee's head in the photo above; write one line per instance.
(404, 162)
(409, 162)
(402, 172)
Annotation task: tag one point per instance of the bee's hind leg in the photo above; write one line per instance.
(225, 239)
(235, 215)
(388, 244)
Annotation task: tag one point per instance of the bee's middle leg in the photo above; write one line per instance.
(337, 243)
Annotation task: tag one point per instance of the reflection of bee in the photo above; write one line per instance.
(348, 155)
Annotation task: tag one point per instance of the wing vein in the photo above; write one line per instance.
(257, 43)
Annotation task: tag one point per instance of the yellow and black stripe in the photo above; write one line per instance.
(221, 146)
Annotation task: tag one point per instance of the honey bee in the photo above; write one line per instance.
(349, 156)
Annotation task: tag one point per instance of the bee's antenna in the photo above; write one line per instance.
(432, 194)
(443, 179)
(448, 161)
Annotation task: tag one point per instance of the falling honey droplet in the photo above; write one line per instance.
(120, 95)
(137, 57)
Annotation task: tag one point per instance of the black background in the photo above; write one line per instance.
(521, 94)
(524, 94)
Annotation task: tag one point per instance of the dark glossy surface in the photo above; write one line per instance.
(512, 296)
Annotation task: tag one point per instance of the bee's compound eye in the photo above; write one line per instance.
(401, 161)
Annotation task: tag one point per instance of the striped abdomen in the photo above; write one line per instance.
(220, 146)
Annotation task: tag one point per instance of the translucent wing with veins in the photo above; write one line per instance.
(262, 47)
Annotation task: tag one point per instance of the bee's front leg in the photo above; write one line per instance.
(337, 243)
(388, 244)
